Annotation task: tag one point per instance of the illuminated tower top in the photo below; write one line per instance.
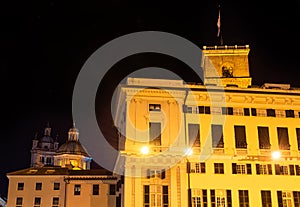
(226, 66)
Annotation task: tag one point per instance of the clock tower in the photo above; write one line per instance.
(226, 66)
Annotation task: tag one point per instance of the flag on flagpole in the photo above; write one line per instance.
(219, 23)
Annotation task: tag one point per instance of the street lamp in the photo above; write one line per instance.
(189, 152)
(145, 150)
(276, 155)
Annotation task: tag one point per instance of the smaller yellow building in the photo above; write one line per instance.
(68, 183)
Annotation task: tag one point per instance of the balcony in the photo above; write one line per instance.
(218, 151)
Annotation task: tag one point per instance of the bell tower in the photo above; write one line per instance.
(226, 66)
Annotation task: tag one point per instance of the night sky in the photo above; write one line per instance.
(45, 43)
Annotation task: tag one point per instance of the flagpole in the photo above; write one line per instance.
(219, 34)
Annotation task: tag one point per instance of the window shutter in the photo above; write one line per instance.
(270, 169)
(297, 169)
(213, 198)
(202, 167)
(163, 174)
(249, 170)
(257, 169)
(233, 168)
(279, 197)
(148, 173)
(292, 169)
(253, 111)
(228, 195)
(277, 169)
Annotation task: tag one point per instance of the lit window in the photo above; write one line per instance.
(199, 197)
(154, 107)
(220, 198)
(285, 198)
(156, 195)
(196, 167)
(77, 188)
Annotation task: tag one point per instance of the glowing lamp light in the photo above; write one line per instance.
(145, 150)
(189, 151)
(276, 155)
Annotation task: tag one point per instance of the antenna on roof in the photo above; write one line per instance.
(219, 35)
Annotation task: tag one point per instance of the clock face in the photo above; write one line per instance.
(227, 70)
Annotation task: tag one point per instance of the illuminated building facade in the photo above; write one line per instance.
(221, 143)
(68, 183)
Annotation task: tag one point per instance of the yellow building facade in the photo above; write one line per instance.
(220, 143)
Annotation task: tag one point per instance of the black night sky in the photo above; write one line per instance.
(45, 43)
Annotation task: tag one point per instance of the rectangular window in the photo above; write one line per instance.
(261, 112)
(204, 109)
(154, 107)
(263, 137)
(220, 198)
(296, 195)
(289, 113)
(271, 112)
(155, 133)
(219, 168)
(194, 135)
(56, 186)
(38, 186)
(229, 198)
(96, 189)
(283, 138)
(263, 169)
(284, 199)
(240, 137)
(77, 189)
(165, 196)
(37, 201)
(112, 189)
(55, 201)
(298, 137)
(266, 198)
(246, 112)
(20, 186)
(19, 201)
(243, 198)
(281, 169)
(241, 168)
(253, 111)
(146, 196)
(196, 167)
(227, 110)
(217, 136)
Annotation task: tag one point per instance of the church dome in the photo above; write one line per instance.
(72, 147)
